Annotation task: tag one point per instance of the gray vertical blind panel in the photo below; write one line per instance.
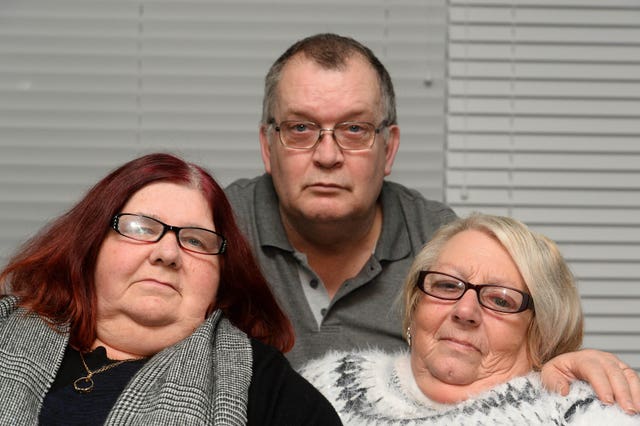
(544, 125)
(88, 85)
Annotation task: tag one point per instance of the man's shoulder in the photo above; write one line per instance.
(411, 198)
(243, 185)
(242, 192)
(254, 202)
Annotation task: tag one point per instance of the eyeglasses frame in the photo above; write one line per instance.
(165, 227)
(527, 300)
(321, 130)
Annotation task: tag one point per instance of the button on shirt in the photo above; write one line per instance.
(313, 288)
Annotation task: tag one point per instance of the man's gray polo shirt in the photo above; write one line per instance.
(365, 311)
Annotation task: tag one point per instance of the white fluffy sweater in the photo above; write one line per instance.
(375, 388)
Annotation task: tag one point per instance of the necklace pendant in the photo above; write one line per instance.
(83, 385)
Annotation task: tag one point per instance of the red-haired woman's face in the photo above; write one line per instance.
(155, 287)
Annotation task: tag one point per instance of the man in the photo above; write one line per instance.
(333, 237)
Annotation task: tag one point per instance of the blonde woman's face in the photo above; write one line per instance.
(460, 345)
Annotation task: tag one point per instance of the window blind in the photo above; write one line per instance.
(88, 85)
(544, 125)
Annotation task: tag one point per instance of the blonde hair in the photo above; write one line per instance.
(557, 324)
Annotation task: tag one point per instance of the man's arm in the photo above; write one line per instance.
(611, 379)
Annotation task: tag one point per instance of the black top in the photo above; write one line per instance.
(277, 395)
(63, 405)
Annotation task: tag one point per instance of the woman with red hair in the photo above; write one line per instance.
(144, 303)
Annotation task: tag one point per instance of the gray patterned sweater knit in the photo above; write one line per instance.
(374, 388)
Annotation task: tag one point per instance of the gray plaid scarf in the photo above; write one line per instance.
(202, 380)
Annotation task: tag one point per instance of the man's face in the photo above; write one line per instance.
(326, 184)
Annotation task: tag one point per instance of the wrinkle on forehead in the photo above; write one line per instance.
(308, 91)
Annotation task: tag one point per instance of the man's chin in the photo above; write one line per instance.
(325, 217)
(323, 211)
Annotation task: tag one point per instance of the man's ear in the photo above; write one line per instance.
(265, 147)
(391, 147)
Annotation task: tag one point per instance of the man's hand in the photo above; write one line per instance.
(611, 379)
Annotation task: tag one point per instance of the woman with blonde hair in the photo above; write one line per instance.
(486, 303)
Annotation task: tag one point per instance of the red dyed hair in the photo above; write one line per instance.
(53, 273)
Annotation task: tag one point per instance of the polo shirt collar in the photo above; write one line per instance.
(270, 229)
(394, 242)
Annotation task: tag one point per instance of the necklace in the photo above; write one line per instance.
(85, 383)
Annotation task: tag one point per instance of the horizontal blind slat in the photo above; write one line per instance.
(542, 120)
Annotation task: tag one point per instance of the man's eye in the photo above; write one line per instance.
(298, 127)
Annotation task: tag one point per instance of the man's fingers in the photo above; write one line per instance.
(556, 380)
(612, 380)
(607, 383)
(629, 397)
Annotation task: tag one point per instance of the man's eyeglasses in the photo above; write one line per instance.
(350, 135)
(150, 230)
(495, 297)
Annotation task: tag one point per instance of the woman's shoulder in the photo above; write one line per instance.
(355, 367)
(363, 385)
(266, 356)
(12, 313)
(524, 400)
(280, 395)
(8, 308)
(344, 358)
(8, 304)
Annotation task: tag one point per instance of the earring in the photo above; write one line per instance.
(408, 336)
